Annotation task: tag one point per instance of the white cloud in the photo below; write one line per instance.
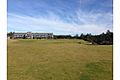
(93, 18)
(53, 23)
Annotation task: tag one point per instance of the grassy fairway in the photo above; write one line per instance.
(58, 60)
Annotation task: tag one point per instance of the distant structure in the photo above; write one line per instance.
(30, 35)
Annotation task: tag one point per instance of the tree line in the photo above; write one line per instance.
(102, 39)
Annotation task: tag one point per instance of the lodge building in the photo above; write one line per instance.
(30, 35)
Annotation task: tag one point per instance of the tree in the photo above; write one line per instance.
(104, 38)
(76, 36)
(82, 36)
(10, 34)
(24, 37)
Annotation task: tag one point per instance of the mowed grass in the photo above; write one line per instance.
(58, 60)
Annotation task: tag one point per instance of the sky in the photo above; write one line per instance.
(60, 16)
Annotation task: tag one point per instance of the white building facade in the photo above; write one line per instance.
(30, 35)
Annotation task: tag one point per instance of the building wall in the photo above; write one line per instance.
(33, 35)
(19, 35)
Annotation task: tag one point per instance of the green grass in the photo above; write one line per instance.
(58, 60)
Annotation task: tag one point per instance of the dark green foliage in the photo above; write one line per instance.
(24, 37)
(62, 36)
(76, 36)
(102, 39)
(10, 34)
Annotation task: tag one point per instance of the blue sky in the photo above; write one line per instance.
(60, 16)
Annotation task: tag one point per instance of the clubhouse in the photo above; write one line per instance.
(30, 35)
